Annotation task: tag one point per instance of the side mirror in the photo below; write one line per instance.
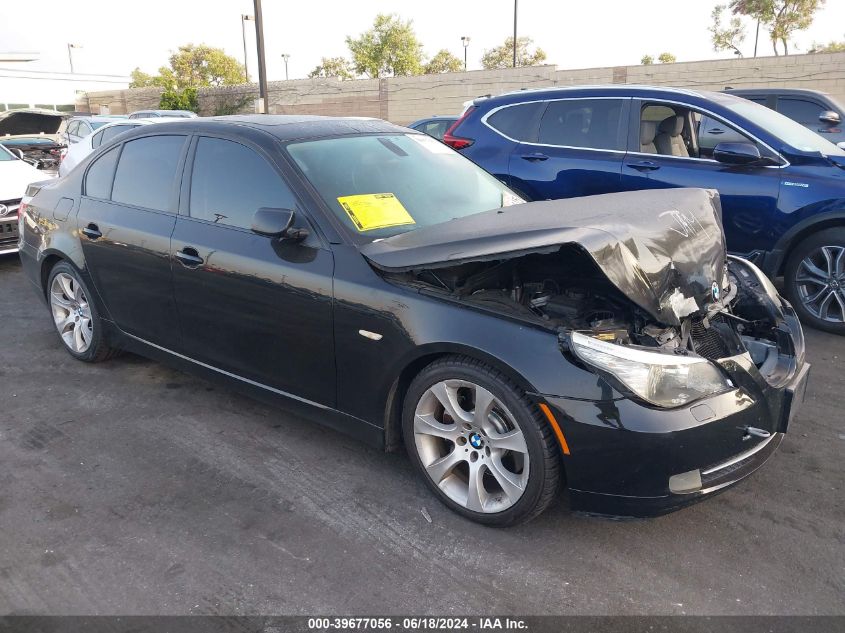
(830, 116)
(277, 223)
(737, 153)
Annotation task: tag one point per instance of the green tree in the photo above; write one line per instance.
(647, 60)
(729, 36)
(193, 66)
(179, 100)
(502, 56)
(830, 47)
(783, 18)
(390, 47)
(338, 67)
(443, 62)
(667, 58)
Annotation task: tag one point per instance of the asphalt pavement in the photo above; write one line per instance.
(130, 488)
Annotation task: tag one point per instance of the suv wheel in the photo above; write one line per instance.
(480, 444)
(75, 315)
(815, 280)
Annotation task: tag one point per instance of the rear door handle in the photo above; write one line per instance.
(644, 165)
(92, 231)
(717, 131)
(536, 156)
(189, 257)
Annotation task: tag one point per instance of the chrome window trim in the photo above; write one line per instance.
(547, 101)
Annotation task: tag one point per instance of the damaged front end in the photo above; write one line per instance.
(638, 288)
(33, 135)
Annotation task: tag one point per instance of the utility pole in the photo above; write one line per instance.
(757, 37)
(70, 55)
(262, 67)
(515, 4)
(286, 57)
(465, 42)
(244, 19)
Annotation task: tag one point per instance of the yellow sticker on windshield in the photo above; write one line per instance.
(372, 211)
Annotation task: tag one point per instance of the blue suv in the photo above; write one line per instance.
(782, 186)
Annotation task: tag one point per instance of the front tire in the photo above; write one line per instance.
(75, 315)
(479, 443)
(814, 280)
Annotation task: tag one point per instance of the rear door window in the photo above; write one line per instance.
(583, 123)
(109, 133)
(147, 171)
(230, 182)
(518, 122)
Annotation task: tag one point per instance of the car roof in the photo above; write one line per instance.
(631, 90)
(96, 117)
(776, 91)
(137, 122)
(288, 127)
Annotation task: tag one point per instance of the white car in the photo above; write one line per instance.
(15, 176)
(78, 151)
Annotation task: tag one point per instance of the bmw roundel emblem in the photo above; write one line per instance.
(476, 441)
(715, 291)
(3, 210)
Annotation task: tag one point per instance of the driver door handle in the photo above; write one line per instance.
(92, 231)
(189, 257)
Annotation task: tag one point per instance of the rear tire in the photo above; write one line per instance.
(488, 454)
(75, 315)
(814, 280)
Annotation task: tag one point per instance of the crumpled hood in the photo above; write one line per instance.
(664, 249)
(30, 123)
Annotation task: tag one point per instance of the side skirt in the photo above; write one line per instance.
(356, 428)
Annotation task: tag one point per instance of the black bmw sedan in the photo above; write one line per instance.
(382, 284)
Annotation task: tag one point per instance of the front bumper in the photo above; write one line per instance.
(628, 460)
(9, 232)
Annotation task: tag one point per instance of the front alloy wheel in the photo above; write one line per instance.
(814, 280)
(480, 443)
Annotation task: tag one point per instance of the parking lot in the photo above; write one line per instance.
(130, 488)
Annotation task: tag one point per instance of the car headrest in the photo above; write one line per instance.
(648, 130)
(673, 126)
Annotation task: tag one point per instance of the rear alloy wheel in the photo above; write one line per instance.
(479, 443)
(815, 280)
(75, 316)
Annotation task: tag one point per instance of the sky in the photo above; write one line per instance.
(574, 34)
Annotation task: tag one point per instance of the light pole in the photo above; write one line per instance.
(286, 57)
(465, 42)
(244, 19)
(70, 55)
(515, 4)
(262, 65)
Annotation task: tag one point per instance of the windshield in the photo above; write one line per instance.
(6, 154)
(379, 186)
(787, 130)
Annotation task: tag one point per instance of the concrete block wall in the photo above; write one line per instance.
(404, 99)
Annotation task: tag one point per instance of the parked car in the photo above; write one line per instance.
(397, 292)
(36, 133)
(79, 127)
(104, 134)
(15, 176)
(782, 186)
(818, 111)
(434, 126)
(152, 114)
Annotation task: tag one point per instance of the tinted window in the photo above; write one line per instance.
(589, 123)
(231, 182)
(74, 125)
(518, 122)
(97, 140)
(109, 133)
(800, 110)
(146, 171)
(84, 129)
(99, 176)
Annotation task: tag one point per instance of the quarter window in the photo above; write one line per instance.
(99, 177)
(230, 182)
(587, 123)
(518, 122)
(146, 172)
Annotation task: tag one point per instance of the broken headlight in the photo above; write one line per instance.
(665, 380)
